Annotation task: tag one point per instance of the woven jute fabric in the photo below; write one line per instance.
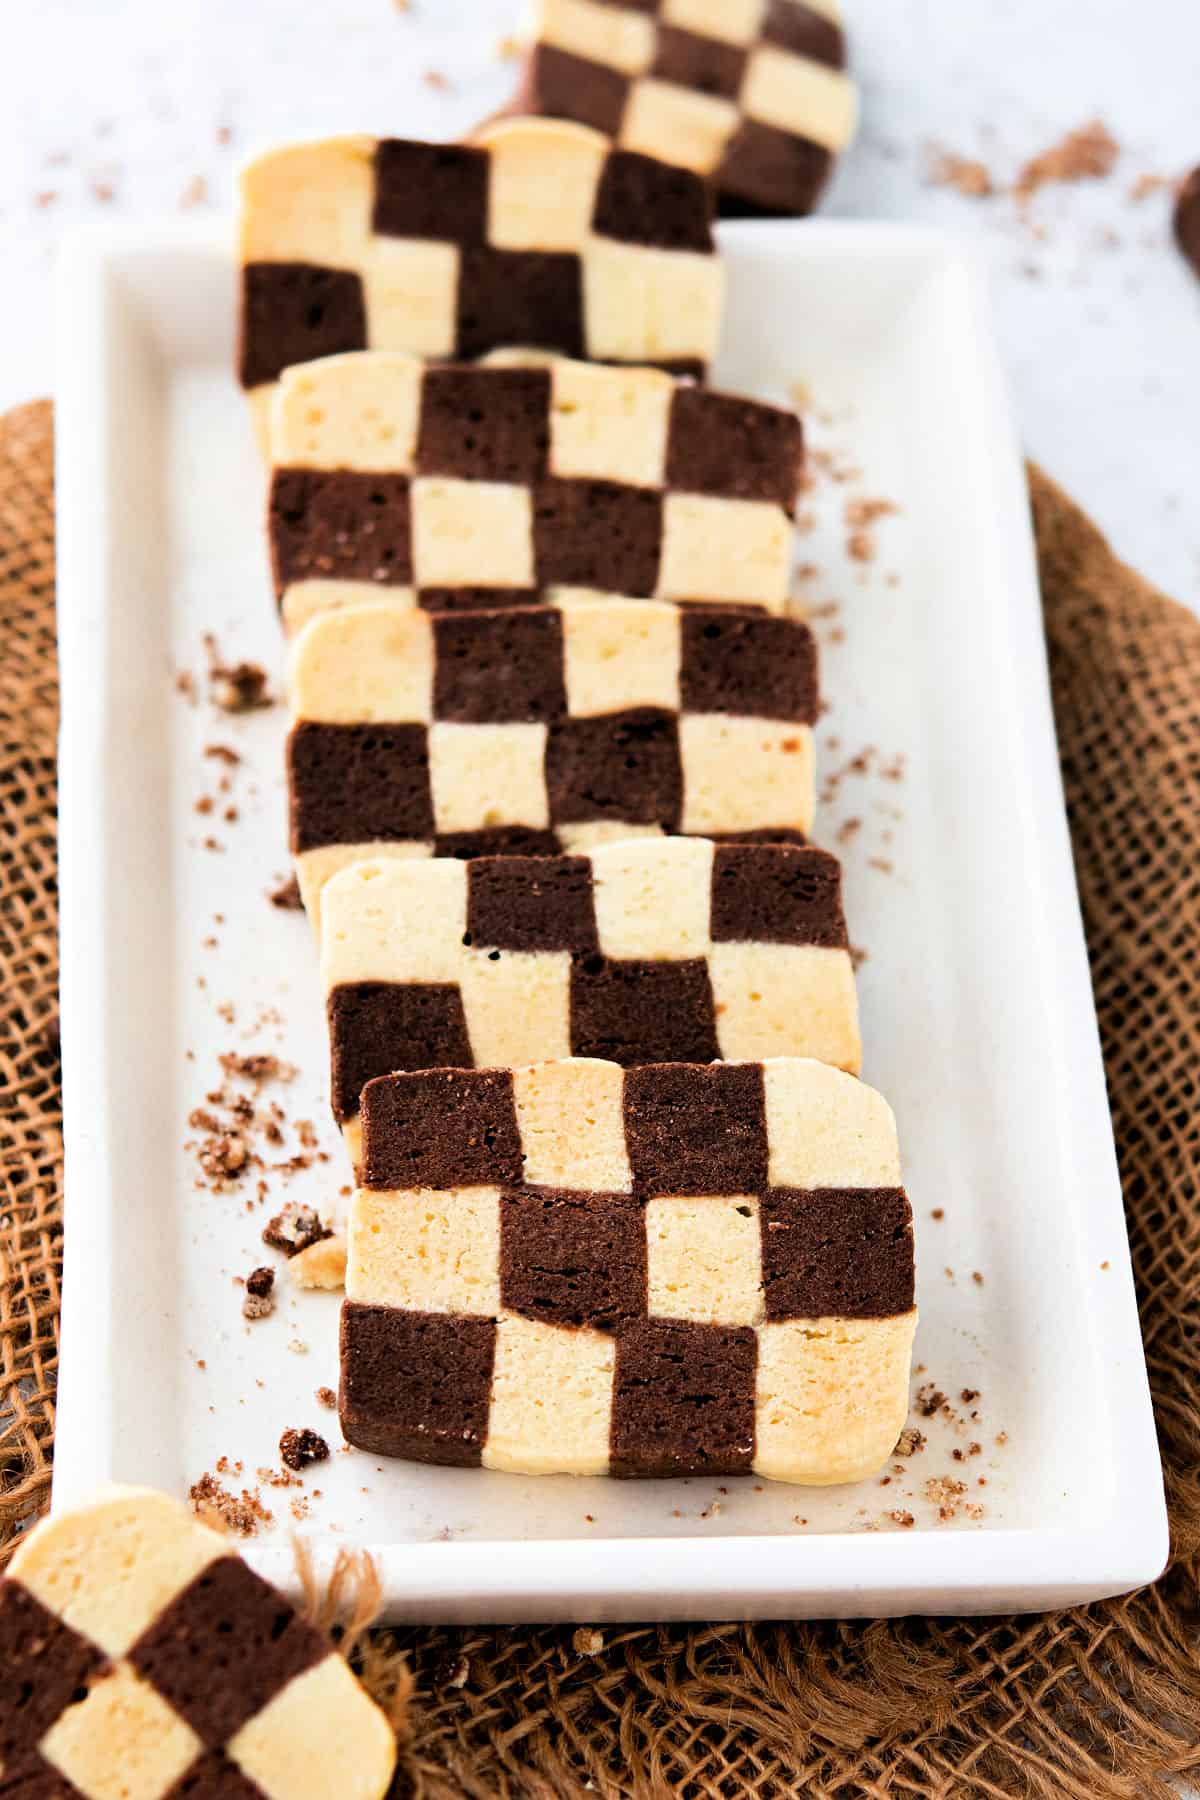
(1099, 1701)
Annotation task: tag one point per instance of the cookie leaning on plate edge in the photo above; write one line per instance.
(152, 1660)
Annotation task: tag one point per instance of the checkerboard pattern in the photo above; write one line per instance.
(661, 950)
(538, 233)
(670, 1270)
(142, 1658)
(544, 729)
(508, 486)
(750, 93)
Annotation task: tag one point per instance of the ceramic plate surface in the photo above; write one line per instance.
(1042, 1486)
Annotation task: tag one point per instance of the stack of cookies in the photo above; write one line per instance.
(623, 1205)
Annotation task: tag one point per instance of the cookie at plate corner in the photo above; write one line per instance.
(524, 480)
(142, 1657)
(537, 233)
(751, 94)
(653, 950)
(675, 1270)
(544, 729)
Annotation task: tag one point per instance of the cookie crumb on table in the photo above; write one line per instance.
(259, 1302)
(1087, 154)
(321, 1264)
(300, 1447)
(215, 1505)
(295, 1228)
(962, 173)
(287, 896)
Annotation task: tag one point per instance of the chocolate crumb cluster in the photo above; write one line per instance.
(301, 1447)
(259, 1302)
(294, 1229)
(241, 1515)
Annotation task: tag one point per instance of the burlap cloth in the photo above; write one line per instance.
(1099, 1701)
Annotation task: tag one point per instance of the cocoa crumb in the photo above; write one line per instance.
(904, 1519)
(222, 753)
(433, 78)
(224, 1156)
(287, 896)
(858, 956)
(1086, 154)
(259, 1068)
(103, 191)
(976, 1277)
(300, 1448)
(969, 1396)
(185, 684)
(326, 1397)
(204, 805)
(944, 1492)
(215, 1505)
(1145, 185)
(847, 829)
(939, 1212)
(224, 134)
(294, 1229)
(450, 1671)
(911, 1442)
(235, 687)
(587, 1641)
(868, 512)
(930, 1400)
(259, 1302)
(962, 173)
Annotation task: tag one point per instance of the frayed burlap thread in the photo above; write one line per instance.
(1096, 1703)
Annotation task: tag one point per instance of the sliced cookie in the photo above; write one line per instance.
(751, 94)
(538, 233)
(673, 1270)
(544, 729)
(655, 950)
(509, 485)
(143, 1657)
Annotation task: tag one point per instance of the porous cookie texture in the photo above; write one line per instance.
(538, 233)
(144, 1661)
(650, 951)
(752, 94)
(670, 1270)
(509, 485)
(544, 729)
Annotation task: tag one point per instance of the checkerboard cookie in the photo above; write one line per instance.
(675, 1270)
(504, 485)
(750, 93)
(143, 1660)
(544, 729)
(538, 233)
(654, 950)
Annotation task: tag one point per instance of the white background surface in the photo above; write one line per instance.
(116, 106)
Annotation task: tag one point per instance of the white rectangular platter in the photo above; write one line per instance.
(1038, 1481)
